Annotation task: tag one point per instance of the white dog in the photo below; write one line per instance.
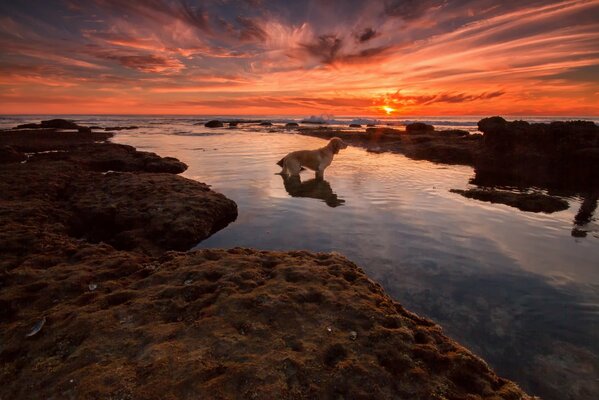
(317, 160)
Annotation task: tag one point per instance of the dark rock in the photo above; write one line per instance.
(355, 125)
(48, 139)
(533, 202)
(291, 125)
(491, 124)
(213, 124)
(419, 127)
(28, 126)
(9, 155)
(113, 157)
(84, 129)
(370, 125)
(233, 124)
(59, 124)
(265, 123)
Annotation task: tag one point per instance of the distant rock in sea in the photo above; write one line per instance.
(419, 127)
(214, 124)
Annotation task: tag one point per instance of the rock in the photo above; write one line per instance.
(9, 155)
(114, 157)
(491, 124)
(84, 129)
(256, 318)
(28, 126)
(291, 125)
(59, 124)
(48, 139)
(233, 124)
(370, 125)
(266, 123)
(355, 125)
(213, 124)
(532, 202)
(419, 127)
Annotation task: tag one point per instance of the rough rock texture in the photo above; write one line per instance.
(114, 157)
(71, 192)
(533, 202)
(222, 324)
(9, 155)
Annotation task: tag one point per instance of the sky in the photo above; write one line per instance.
(300, 57)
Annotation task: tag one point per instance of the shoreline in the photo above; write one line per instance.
(91, 286)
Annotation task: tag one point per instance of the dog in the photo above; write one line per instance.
(317, 160)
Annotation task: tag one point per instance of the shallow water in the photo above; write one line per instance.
(514, 287)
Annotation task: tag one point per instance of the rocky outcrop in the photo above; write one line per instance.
(355, 125)
(291, 125)
(48, 139)
(419, 127)
(213, 124)
(59, 124)
(265, 123)
(113, 157)
(533, 202)
(236, 323)
(139, 209)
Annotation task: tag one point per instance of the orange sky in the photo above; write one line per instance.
(432, 57)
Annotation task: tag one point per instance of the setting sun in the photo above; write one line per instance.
(388, 109)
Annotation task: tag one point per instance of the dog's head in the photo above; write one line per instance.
(337, 144)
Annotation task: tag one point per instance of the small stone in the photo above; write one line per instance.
(92, 287)
(188, 282)
(329, 329)
(353, 335)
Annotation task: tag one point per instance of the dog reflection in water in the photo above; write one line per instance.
(313, 188)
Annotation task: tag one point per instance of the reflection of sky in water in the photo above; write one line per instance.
(513, 286)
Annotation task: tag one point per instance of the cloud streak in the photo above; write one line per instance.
(345, 57)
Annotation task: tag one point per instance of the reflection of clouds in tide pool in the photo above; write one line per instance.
(513, 286)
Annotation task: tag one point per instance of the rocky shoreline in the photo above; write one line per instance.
(560, 156)
(94, 302)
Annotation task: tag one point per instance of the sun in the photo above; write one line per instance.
(388, 109)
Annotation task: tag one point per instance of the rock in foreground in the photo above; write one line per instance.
(222, 324)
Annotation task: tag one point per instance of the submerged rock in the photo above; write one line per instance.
(533, 202)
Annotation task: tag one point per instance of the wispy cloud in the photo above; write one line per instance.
(339, 56)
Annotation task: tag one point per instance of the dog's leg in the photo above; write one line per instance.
(292, 167)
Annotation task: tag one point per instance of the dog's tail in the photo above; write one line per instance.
(280, 163)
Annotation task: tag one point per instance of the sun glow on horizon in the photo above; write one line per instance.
(388, 110)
